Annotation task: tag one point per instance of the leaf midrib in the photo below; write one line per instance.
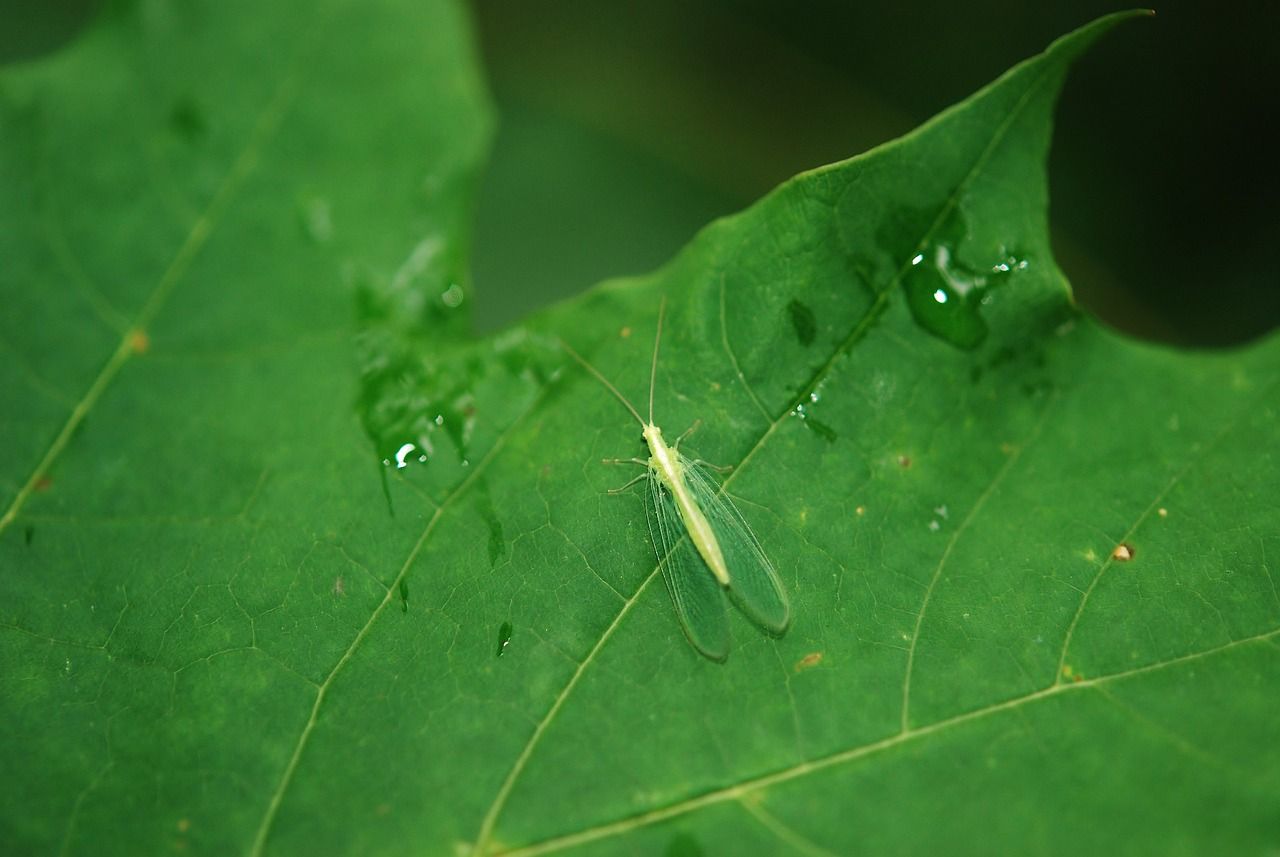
(242, 167)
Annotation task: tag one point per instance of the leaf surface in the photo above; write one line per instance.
(1029, 561)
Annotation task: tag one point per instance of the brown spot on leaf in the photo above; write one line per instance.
(625, 333)
(1123, 552)
(809, 661)
(904, 461)
(44, 483)
(184, 824)
(139, 342)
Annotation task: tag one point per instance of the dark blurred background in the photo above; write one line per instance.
(625, 127)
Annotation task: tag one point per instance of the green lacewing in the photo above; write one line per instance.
(706, 548)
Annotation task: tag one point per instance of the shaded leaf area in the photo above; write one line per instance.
(228, 627)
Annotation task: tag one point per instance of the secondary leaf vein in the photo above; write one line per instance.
(858, 330)
(277, 797)
(996, 480)
(265, 128)
(742, 789)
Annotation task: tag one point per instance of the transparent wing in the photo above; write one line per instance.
(753, 582)
(697, 597)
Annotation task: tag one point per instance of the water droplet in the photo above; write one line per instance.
(402, 387)
(401, 453)
(497, 538)
(813, 424)
(945, 295)
(1009, 263)
(404, 596)
(386, 489)
(944, 298)
(504, 637)
(453, 296)
(804, 322)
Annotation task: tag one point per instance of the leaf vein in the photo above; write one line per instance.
(1142, 518)
(856, 333)
(747, 787)
(277, 797)
(263, 131)
(1014, 456)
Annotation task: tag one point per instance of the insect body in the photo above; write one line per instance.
(706, 547)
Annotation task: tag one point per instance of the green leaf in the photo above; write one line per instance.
(1029, 560)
